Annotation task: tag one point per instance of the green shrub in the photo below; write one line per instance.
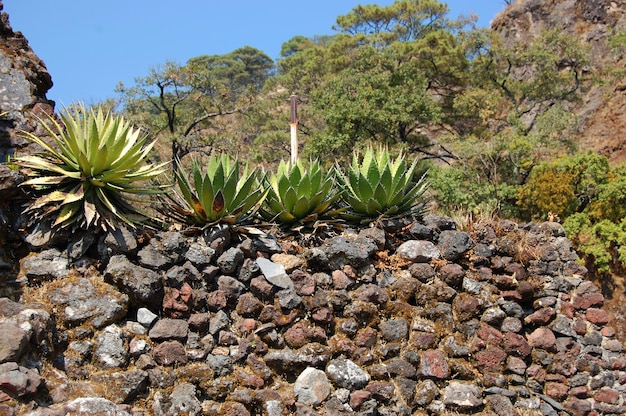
(85, 180)
(548, 190)
(603, 242)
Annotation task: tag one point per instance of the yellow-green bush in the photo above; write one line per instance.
(547, 190)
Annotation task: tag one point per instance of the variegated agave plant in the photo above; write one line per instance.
(86, 179)
(297, 195)
(221, 194)
(376, 186)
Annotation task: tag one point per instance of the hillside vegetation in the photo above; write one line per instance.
(499, 120)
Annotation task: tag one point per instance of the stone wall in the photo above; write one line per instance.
(498, 320)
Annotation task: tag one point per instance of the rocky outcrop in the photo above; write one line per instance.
(602, 110)
(24, 82)
(495, 320)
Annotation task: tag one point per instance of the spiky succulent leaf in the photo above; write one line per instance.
(98, 153)
(375, 186)
(224, 192)
(299, 194)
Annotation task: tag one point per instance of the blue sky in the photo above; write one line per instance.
(89, 46)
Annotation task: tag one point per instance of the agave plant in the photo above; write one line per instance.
(85, 179)
(376, 186)
(221, 194)
(297, 195)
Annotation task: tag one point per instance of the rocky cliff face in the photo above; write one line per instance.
(602, 110)
(24, 82)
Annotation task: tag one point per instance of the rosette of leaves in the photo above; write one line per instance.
(297, 195)
(222, 193)
(375, 186)
(86, 178)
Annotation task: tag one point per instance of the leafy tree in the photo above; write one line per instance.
(384, 77)
(516, 85)
(375, 100)
(513, 111)
(180, 101)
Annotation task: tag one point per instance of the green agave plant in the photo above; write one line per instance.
(85, 180)
(299, 195)
(221, 194)
(376, 186)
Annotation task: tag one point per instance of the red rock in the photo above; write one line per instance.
(249, 380)
(226, 338)
(504, 282)
(511, 295)
(300, 334)
(588, 300)
(323, 316)
(465, 306)
(567, 309)
(618, 363)
(247, 325)
(555, 390)
(169, 353)
(542, 338)
(199, 322)
(577, 406)
(341, 280)
(232, 408)
(267, 395)
(364, 356)
(565, 363)
(340, 344)
(491, 359)
(557, 377)
(516, 344)
(271, 314)
(581, 392)
(434, 363)
(476, 345)
(424, 340)
(525, 288)
(176, 302)
(372, 293)
(268, 314)
(261, 287)
(541, 317)
(607, 395)
(366, 337)
(216, 300)
(580, 326)
(381, 390)
(489, 334)
(607, 331)
(303, 282)
(597, 316)
(537, 372)
(249, 306)
(358, 397)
